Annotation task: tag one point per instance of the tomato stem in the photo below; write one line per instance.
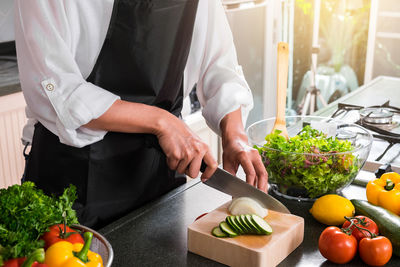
(63, 232)
(352, 220)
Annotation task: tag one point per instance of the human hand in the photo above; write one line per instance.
(236, 151)
(184, 149)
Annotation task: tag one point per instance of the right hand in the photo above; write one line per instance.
(184, 149)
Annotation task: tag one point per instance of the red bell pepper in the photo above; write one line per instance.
(35, 259)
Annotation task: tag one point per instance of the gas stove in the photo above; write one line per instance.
(383, 121)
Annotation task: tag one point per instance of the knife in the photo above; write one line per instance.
(232, 185)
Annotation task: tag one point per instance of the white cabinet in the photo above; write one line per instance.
(12, 120)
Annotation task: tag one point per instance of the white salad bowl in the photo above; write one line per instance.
(311, 174)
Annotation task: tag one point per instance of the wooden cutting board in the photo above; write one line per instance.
(246, 250)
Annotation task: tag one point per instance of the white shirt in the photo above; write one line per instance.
(58, 42)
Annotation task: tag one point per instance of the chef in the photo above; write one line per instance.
(104, 83)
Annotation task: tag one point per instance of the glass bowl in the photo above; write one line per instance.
(306, 176)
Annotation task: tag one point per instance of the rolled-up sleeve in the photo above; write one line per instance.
(221, 86)
(55, 90)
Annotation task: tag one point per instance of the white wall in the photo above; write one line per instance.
(6, 20)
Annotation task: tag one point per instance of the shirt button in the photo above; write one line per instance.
(50, 87)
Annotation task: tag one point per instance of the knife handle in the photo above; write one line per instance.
(203, 166)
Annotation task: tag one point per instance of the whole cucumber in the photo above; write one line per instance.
(388, 222)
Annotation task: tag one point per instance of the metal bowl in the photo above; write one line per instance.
(99, 245)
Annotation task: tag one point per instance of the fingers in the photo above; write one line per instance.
(256, 174)
(185, 161)
(173, 159)
(262, 175)
(211, 166)
(230, 166)
(194, 167)
(249, 171)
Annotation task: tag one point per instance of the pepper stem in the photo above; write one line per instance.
(389, 185)
(37, 255)
(82, 255)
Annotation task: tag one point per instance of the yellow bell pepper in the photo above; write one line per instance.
(65, 254)
(385, 192)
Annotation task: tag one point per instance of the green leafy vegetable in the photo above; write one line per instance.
(26, 213)
(323, 170)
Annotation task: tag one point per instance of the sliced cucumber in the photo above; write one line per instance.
(216, 231)
(227, 229)
(234, 225)
(249, 221)
(243, 229)
(247, 229)
(261, 224)
(251, 230)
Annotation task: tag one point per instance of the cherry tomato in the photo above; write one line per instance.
(375, 251)
(55, 234)
(367, 223)
(337, 246)
(201, 216)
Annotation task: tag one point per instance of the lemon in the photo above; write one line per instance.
(331, 209)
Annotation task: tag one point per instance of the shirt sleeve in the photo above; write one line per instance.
(54, 88)
(221, 86)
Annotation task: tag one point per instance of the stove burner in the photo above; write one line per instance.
(376, 115)
(382, 120)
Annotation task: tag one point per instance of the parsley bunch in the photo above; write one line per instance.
(26, 213)
(310, 163)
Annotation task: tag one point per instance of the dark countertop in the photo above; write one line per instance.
(156, 235)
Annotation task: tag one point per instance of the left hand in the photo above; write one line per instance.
(236, 151)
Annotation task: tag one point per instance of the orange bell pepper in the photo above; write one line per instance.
(385, 192)
(65, 254)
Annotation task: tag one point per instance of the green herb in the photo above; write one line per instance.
(322, 171)
(26, 213)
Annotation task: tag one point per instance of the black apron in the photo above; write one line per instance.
(142, 60)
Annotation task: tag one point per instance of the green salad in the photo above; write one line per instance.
(323, 170)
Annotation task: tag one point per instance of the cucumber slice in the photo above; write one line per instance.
(244, 226)
(253, 227)
(250, 229)
(261, 224)
(227, 229)
(233, 225)
(216, 231)
(239, 225)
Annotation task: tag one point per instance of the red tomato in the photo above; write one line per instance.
(201, 216)
(14, 262)
(55, 234)
(337, 246)
(367, 223)
(375, 251)
(18, 262)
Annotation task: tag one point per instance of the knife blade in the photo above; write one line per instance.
(234, 186)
